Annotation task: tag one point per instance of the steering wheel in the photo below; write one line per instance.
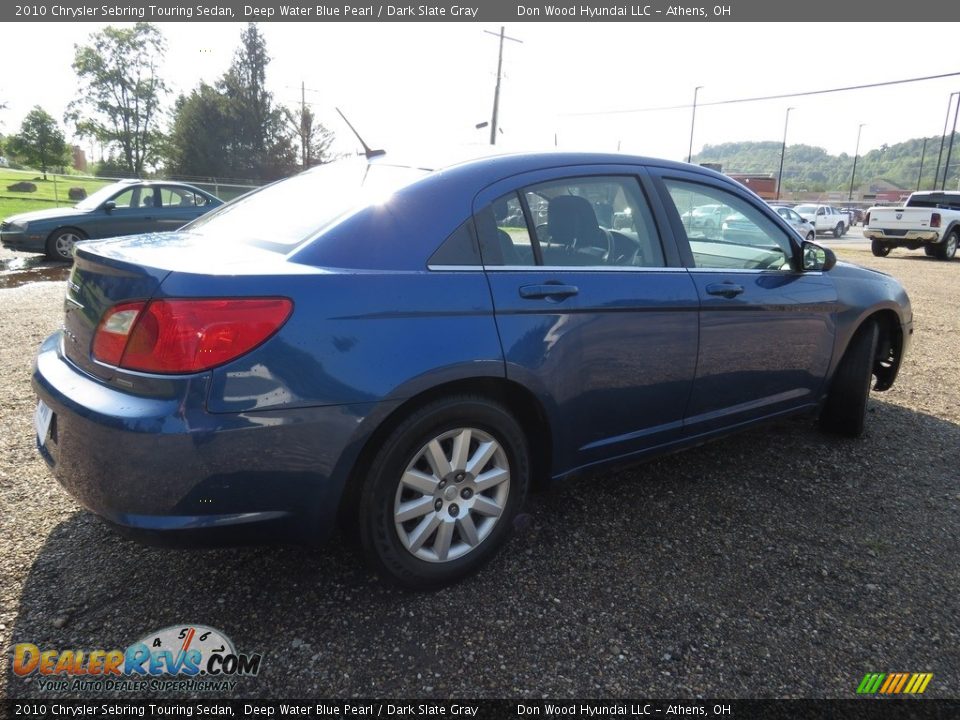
(606, 250)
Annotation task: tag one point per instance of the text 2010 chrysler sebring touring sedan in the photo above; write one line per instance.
(406, 351)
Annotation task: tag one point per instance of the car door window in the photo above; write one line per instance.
(504, 235)
(574, 222)
(747, 239)
(178, 197)
(127, 199)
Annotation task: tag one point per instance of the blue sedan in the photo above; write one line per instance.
(406, 352)
(127, 207)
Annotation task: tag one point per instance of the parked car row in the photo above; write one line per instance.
(128, 207)
(723, 222)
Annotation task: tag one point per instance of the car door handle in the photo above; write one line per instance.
(725, 289)
(557, 292)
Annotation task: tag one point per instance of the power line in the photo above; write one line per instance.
(763, 97)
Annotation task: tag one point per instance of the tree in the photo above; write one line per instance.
(40, 142)
(200, 138)
(315, 138)
(121, 91)
(261, 146)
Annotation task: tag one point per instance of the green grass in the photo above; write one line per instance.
(50, 193)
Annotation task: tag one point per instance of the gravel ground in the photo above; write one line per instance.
(779, 563)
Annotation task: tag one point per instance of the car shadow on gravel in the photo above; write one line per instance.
(778, 562)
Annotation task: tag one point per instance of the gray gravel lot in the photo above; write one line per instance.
(779, 563)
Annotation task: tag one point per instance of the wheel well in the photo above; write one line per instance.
(513, 396)
(889, 347)
(77, 230)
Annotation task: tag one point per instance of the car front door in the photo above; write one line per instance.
(593, 309)
(125, 213)
(766, 327)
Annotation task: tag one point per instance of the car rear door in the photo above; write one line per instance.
(594, 311)
(178, 206)
(766, 328)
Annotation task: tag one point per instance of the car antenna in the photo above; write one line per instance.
(366, 148)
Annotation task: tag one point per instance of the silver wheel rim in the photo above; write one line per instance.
(451, 495)
(951, 245)
(64, 244)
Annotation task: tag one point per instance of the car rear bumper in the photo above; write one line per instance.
(169, 473)
(922, 236)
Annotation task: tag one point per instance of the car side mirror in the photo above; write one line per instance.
(817, 257)
(109, 205)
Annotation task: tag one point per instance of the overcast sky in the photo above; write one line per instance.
(403, 84)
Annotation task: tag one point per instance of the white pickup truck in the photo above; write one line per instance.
(825, 218)
(929, 220)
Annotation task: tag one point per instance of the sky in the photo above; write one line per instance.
(404, 85)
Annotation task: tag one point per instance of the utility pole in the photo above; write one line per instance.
(304, 141)
(496, 93)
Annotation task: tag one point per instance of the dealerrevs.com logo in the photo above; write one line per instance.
(178, 658)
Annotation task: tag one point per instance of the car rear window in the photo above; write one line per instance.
(286, 213)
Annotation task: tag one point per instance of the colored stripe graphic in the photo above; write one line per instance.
(894, 683)
(870, 683)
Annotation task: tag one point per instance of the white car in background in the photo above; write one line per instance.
(805, 229)
(825, 218)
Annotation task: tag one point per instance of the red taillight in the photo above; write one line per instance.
(935, 220)
(866, 220)
(183, 336)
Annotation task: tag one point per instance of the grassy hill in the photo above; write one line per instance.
(812, 169)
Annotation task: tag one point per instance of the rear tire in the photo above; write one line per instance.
(948, 248)
(838, 230)
(443, 491)
(879, 249)
(845, 410)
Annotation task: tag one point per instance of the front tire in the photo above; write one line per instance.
(845, 410)
(948, 248)
(442, 492)
(811, 236)
(60, 244)
(879, 249)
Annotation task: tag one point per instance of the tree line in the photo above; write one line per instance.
(231, 129)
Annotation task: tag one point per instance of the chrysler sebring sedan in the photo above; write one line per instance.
(405, 352)
(122, 208)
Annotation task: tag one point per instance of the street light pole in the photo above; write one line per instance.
(693, 119)
(783, 151)
(923, 154)
(943, 137)
(856, 153)
(953, 131)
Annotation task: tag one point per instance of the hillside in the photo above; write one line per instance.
(813, 169)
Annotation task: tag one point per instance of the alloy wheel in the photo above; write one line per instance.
(451, 495)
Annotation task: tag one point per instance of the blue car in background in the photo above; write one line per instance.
(127, 207)
(406, 352)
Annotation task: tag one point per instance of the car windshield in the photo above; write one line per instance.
(809, 209)
(284, 214)
(94, 201)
